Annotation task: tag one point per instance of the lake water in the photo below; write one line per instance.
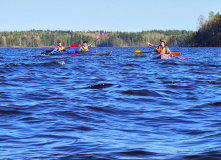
(120, 106)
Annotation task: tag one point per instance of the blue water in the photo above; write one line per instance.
(120, 106)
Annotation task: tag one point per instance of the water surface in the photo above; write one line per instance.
(120, 106)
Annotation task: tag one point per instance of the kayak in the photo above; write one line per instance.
(160, 56)
(76, 53)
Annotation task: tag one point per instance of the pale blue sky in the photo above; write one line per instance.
(107, 15)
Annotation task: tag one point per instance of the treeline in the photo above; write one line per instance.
(209, 34)
(41, 38)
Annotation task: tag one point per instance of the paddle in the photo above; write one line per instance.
(175, 53)
(138, 52)
(97, 39)
(145, 45)
(73, 45)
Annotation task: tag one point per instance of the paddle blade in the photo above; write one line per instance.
(74, 45)
(100, 37)
(175, 53)
(137, 52)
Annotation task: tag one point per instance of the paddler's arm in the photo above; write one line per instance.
(53, 51)
(168, 51)
(151, 44)
(81, 49)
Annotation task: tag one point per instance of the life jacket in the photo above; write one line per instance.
(60, 48)
(85, 49)
(162, 50)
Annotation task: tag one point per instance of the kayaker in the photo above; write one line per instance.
(59, 48)
(85, 47)
(162, 48)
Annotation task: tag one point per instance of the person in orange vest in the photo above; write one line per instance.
(85, 47)
(59, 48)
(162, 48)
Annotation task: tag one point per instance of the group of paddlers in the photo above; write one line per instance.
(161, 48)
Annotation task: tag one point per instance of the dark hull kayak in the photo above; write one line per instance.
(76, 53)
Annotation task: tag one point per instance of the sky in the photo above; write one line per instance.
(106, 15)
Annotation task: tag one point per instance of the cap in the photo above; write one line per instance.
(162, 40)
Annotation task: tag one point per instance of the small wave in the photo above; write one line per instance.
(106, 109)
(84, 128)
(168, 62)
(95, 108)
(213, 155)
(169, 82)
(83, 156)
(215, 104)
(212, 82)
(142, 93)
(137, 153)
(13, 64)
(130, 64)
(100, 86)
(53, 63)
(9, 112)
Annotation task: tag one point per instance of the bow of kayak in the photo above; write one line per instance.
(160, 56)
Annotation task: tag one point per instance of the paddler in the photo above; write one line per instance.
(85, 47)
(162, 48)
(59, 48)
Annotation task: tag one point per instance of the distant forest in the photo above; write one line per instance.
(40, 38)
(208, 34)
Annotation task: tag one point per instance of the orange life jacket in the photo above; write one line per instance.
(85, 49)
(161, 50)
(60, 48)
